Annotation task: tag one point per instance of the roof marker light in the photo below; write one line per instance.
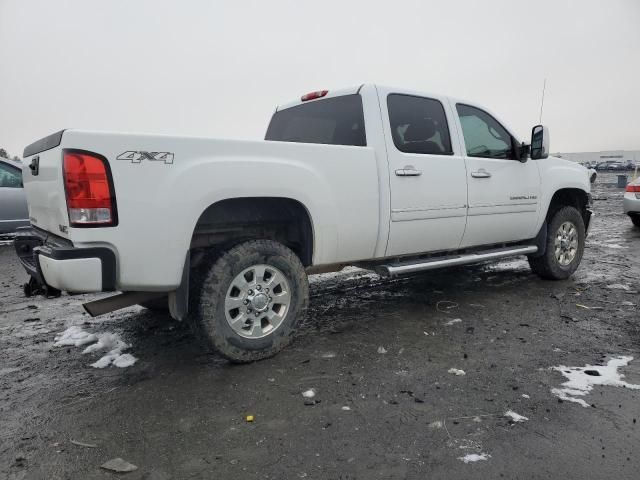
(314, 95)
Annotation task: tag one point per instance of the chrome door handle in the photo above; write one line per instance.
(408, 171)
(482, 173)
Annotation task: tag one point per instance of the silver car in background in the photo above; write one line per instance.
(632, 201)
(13, 201)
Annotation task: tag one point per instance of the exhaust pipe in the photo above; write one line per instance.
(122, 300)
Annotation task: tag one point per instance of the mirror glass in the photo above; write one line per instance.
(539, 142)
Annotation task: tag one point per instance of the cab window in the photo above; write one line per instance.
(332, 121)
(418, 125)
(483, 135)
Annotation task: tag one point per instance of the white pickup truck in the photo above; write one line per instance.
(224, 232)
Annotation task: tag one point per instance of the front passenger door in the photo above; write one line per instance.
(503, 192)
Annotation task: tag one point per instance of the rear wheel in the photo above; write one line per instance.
(564, 246)
(636, 220)
(248, 301)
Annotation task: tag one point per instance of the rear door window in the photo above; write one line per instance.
(418, 125)
(333, 121)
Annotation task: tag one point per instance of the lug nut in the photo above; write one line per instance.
(250, 292)
(248, 310)
(266, 289)
(246, 302)
(257, 313)
(258, 288)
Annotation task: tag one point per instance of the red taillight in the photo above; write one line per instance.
(314, 95)
(635, 188)
(87, 182)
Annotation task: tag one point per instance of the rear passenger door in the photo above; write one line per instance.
(503, 192)
(427, 174)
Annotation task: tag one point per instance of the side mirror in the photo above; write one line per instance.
(539, 142)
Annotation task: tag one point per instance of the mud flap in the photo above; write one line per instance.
(179, 298)
(541, 241)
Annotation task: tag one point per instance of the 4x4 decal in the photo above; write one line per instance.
(137, 157)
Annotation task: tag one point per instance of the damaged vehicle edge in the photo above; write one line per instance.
(225, 232)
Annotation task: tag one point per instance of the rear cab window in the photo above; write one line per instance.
(331, 121)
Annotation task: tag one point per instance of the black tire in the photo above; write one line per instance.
(547, 265)
(635, 219)
(213, 280)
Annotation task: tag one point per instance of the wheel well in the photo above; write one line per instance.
(229, 222)
(573, 197)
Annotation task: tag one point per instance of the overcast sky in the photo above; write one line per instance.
(214, 68)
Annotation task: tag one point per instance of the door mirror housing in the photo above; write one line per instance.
(539, 142)
(521, 151)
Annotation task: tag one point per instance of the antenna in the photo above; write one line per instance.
(544, 86)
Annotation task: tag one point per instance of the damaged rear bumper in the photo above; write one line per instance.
(56, 262)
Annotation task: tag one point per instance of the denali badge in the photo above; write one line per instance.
(137, 157)
(523, 197)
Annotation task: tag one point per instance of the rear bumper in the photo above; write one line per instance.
(55, 262)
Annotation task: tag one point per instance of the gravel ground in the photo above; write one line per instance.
(378, 354)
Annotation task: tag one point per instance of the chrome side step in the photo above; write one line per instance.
(402, 268)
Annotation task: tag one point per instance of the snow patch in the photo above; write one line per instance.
(453, 322)
(456, 371)
(524, 395)
(580, 380)
(514, 417)
(382, 350)
(618, 286)
(74, 337)
(106, 341)
(109, 342)
(474, 457)
(309, 393)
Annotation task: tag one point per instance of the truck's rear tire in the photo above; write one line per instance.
(247, 302)
(564, 246)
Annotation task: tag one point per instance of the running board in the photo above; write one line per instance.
(450, 261)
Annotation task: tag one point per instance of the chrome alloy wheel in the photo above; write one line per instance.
(257, 301)
(566, 243)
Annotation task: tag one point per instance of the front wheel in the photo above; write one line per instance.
(564, 246)
(249, 300)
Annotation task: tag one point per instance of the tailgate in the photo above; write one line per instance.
(44, 186)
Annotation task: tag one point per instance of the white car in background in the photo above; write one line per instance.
(632, 201)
